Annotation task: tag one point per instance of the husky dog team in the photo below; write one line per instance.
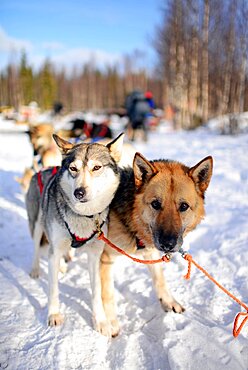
(145, 208)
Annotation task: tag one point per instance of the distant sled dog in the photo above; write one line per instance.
(157, 203)
(72, 202)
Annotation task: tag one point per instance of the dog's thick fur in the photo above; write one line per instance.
(43, 145)
(71, 203)
(158, 203)
(45, 153)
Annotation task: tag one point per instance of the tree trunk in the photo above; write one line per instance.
(229, 62)
(205, 103)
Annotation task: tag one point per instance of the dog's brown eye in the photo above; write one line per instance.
(183, 207)
(156, 204)
(73, 169)
(96, 168)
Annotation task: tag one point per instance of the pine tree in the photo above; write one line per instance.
(26, 81)
(47, 85)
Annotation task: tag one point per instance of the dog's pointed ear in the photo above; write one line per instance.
(64, 146)
(143, 170)
(115, 147)
(201, 174)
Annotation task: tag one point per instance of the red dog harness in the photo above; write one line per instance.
(78, 242)
(40, 182)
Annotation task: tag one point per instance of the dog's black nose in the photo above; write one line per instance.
(79, 193)
(168, 242)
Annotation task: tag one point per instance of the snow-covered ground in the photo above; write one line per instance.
(199, 339)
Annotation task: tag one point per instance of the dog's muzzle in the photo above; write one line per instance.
(168, 243)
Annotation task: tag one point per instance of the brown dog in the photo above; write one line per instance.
(44, 146)
(155, 206)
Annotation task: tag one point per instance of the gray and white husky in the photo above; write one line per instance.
(71, 205)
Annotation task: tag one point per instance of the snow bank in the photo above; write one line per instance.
(201, 338)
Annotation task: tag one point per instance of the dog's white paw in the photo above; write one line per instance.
(63, 266)
(55, 319)
(171, 305)
(35, 273)
(69, 255)
(108, 329)
(103, 327)
(115, 328)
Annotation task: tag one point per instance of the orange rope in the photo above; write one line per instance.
(147, 262)
(236, 329)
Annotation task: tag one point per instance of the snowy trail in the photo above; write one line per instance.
(201, 338)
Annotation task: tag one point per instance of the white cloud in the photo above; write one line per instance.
(53, 45)
(9, 44)
(58, 53)
(80, 56)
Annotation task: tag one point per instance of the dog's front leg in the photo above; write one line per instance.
(108, 297)
(54, 316)
(37, 235)
(99, 318)
(165, 297)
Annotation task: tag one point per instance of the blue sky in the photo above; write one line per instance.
(73, 31)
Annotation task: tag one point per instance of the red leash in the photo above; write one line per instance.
(236, 329)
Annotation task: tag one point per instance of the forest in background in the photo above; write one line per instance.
(201, 68)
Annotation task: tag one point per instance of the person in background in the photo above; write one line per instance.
(57, 108)
(150, 101)
(137, 110)
(151, 120)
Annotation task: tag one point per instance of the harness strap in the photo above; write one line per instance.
(39, 178)
(54, 170)
(140, 245)
(78, 242)
(103, 131)
(87, 130)
(40, 183)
